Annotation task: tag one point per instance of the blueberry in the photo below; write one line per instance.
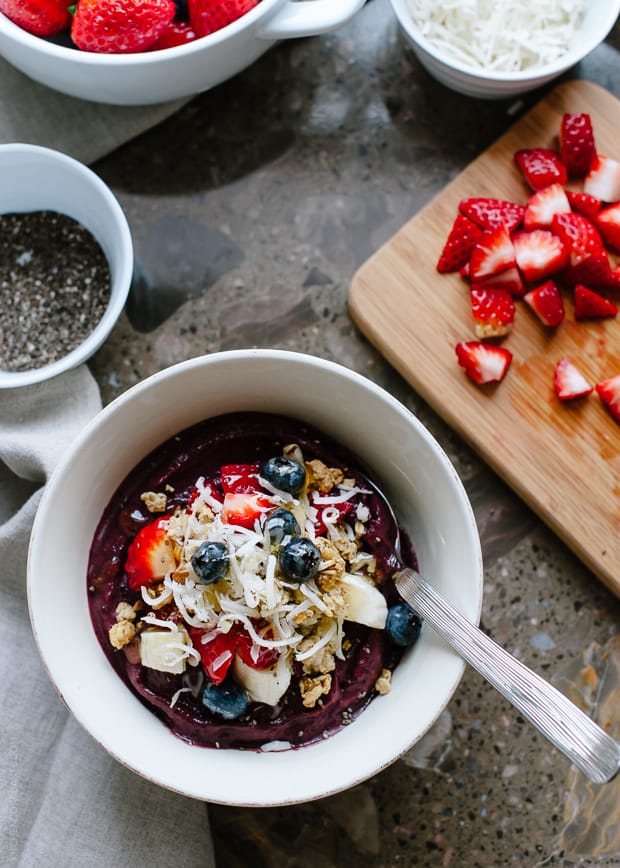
(284, 474)
(281, 523)
(210, 562)
(228, 699)
(299, 559)
(403, 624)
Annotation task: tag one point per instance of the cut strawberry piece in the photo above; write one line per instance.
(210, 492)
(150, 555)
(243, 508)
(603, 180)
(253, 655)
(492, 253)
(240, 478)
(608, 222)
(609, 393)
(577, 146)
(457, 249)
(543, 204)
(591, 305)
(539, 254)
(343, 510)
(216, 654)
(490, 214)
(483, 363)
(594, 272)
(547, 303)
(510, 280)
(580, 236)
(568, 382)
(493, 311)
(541, 167)
(589, 206)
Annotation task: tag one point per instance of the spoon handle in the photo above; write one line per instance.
(558, 719)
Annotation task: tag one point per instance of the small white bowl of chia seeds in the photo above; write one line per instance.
(66, 263)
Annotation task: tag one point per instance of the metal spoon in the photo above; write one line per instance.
(588, 746)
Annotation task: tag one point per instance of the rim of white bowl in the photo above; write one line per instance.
(123, 277)
(363, 768)
(577, 51)
(144, 58)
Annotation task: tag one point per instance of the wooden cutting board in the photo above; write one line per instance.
(563, 459)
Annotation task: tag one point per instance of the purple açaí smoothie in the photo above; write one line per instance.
(363, 653)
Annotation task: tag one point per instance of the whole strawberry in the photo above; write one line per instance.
(207, 16)
(120, 26)
(41, 17)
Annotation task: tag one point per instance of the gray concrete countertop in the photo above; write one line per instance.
(251, 209)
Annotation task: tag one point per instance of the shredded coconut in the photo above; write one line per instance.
(499, 35)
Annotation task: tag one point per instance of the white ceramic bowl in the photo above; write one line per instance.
(158, 76)
(39, 179)
(407, 462)
(599, 19)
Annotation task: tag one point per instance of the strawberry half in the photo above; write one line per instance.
(244, 508)
(539, 254)
(256, 656)
(568, 382)
(542, 206)
(41, 17)
(546, 302)
(594, 272)
(577, 146)
(490, 214)
(120, 26)
(216, 654)
(581, 238)
(483, 363)
(608, 223)
(591, 305)
(208, 16)
(150, 555)
(541, 167)
(492, 253)
(457, 249)
(589, 206)
(493, 311)
(240, 478)
(603, 180)
(609, 393)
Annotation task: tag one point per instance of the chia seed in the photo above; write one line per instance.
(54, 287)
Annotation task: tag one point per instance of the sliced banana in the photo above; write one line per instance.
(364, 603)
(163, 650)
(263, 685)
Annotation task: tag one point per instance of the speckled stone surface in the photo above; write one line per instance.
(251, 209)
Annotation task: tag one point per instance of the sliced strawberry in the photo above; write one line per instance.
(490, 214)
(568, 382)
(547, 303)
(539, 254)
(589, 206)
(343, 510)
(595, 272)
(591, 305)
(211, 492)
(608, 223)
(510, 280)
(240, 478)
(543, 204)
(483, 363)
(493, 311)
(253, 655)
(541, 167)
(457, 249)
(216, 654)
(609, 393)
(243, 508)
(577, 146)
(580, 236)
(150, 555)
(603, 180)
(492, 253)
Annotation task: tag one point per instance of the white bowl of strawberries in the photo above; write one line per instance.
(137, 52)
(557, 253)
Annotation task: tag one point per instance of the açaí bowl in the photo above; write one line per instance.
(406, 462)
(184, 70)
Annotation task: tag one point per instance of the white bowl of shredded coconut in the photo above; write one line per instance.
(490, 49)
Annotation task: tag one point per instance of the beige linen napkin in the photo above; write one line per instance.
(37, 115)
(65, 803)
